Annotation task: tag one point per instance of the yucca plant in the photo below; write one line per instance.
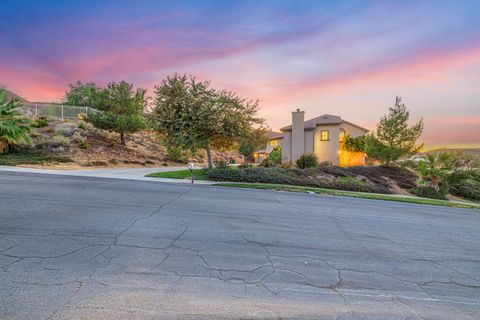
(14, 128)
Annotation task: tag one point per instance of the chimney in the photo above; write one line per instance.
(298, 134)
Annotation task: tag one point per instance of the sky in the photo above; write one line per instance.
(348, 58)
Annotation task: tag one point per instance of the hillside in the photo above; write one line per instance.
(79, 144)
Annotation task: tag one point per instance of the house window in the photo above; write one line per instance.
(342, 135)
(274, 143)
(324, 135)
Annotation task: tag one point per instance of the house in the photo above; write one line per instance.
(322, 136)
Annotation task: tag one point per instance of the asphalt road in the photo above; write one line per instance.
(93, 248)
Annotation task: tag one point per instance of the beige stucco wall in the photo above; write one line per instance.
(327, 150)
(287, 147)
(308, 148)
(352, 131)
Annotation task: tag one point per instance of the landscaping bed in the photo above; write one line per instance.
(378, 179)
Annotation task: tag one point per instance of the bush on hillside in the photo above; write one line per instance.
(220, 163)
(267, 163)
(293, 177)
(307, 161)
(429, 192)
(467, 189)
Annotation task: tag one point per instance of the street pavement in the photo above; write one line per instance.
(74, 247)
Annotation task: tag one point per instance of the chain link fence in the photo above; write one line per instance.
(54, 110)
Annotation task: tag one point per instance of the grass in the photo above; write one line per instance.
(14, 159)
(199, 174)
(374, 196)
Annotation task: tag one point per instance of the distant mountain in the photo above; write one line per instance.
(475, 151)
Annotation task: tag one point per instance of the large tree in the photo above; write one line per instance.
(394, 138)
(122, 109)
(14, 128)
(85, 94)
(192, 115)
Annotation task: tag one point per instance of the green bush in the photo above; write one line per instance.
(467, 189)
(289, 176)
(267, 163)
(245, 165)
(40, 122)
(307, 161)
(59, 141)
(275, 155)
(82, 126)
(429, 192)
(220, 163)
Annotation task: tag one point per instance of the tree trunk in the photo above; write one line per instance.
(209, 157)
(122, 138)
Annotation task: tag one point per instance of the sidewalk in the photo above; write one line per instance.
(117, 173)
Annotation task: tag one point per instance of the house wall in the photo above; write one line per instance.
(308, 147)
(352, 130)
(287, 147)
(327, 150)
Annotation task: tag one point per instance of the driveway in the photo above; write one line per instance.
(95, 248)
(112, 173)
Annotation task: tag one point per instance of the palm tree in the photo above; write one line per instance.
(14, 128)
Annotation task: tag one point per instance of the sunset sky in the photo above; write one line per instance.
(349, 58)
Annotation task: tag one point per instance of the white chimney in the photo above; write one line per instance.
(298, 134)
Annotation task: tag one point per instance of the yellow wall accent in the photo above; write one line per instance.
(351, 158)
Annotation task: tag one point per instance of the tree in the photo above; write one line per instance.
(256, 139)
(88, 95)
(275, 156)
(192, 115)
(14, 128)
(394, 138)
(447, 168)
(352, 145)
(123, 108)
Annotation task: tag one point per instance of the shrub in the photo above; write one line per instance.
(429, 192)
(220, 163)
(83, 144)
(245, 165)
(275, 155)
(66, 129)
(175, 153)
(307, 161)
(59, 141)
(267, 163)
(40, 122)
(82, 126)
(467, 189)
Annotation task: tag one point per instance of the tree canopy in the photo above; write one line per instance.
(193, 115)
(85, 94)
(122, 109)
(394, 139)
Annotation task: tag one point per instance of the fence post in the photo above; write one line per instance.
(36, 109)
(62, 111)
(86, 111)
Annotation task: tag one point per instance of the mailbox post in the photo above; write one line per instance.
(190, 167)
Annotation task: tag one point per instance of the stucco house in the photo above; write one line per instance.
(322, 136)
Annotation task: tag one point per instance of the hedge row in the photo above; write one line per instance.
(365, 179)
